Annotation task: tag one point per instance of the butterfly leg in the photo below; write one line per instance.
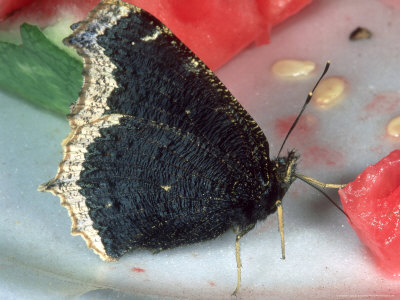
(319, 183)
(278, 205)
(239, 234)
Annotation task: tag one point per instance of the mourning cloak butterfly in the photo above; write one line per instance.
(160, 153)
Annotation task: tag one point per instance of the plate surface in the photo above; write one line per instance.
(40, 259)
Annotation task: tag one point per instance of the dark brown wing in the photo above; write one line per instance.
(160, 154)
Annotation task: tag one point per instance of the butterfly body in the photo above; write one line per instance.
(160, 153)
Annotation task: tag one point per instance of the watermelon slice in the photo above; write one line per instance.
(372, 201)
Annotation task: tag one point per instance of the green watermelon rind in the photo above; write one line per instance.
(39, 71)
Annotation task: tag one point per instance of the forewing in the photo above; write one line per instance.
(134, 65)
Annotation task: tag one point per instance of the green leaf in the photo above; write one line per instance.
(39, 71)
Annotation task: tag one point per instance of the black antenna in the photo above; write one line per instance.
(304, 106)
(323, 193)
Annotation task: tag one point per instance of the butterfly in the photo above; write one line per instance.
(160, 153)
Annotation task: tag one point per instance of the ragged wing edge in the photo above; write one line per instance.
(87, 116)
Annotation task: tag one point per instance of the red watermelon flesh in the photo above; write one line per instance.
(372, 201)
(215, 30)
(8, 7)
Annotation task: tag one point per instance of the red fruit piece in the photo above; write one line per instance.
(372, 202)
(213, 30)
(7, 7)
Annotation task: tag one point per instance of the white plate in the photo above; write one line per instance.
(39, 258)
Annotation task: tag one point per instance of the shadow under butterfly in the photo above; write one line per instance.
(160, 153)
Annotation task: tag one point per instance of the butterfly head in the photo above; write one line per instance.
(284, 169)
